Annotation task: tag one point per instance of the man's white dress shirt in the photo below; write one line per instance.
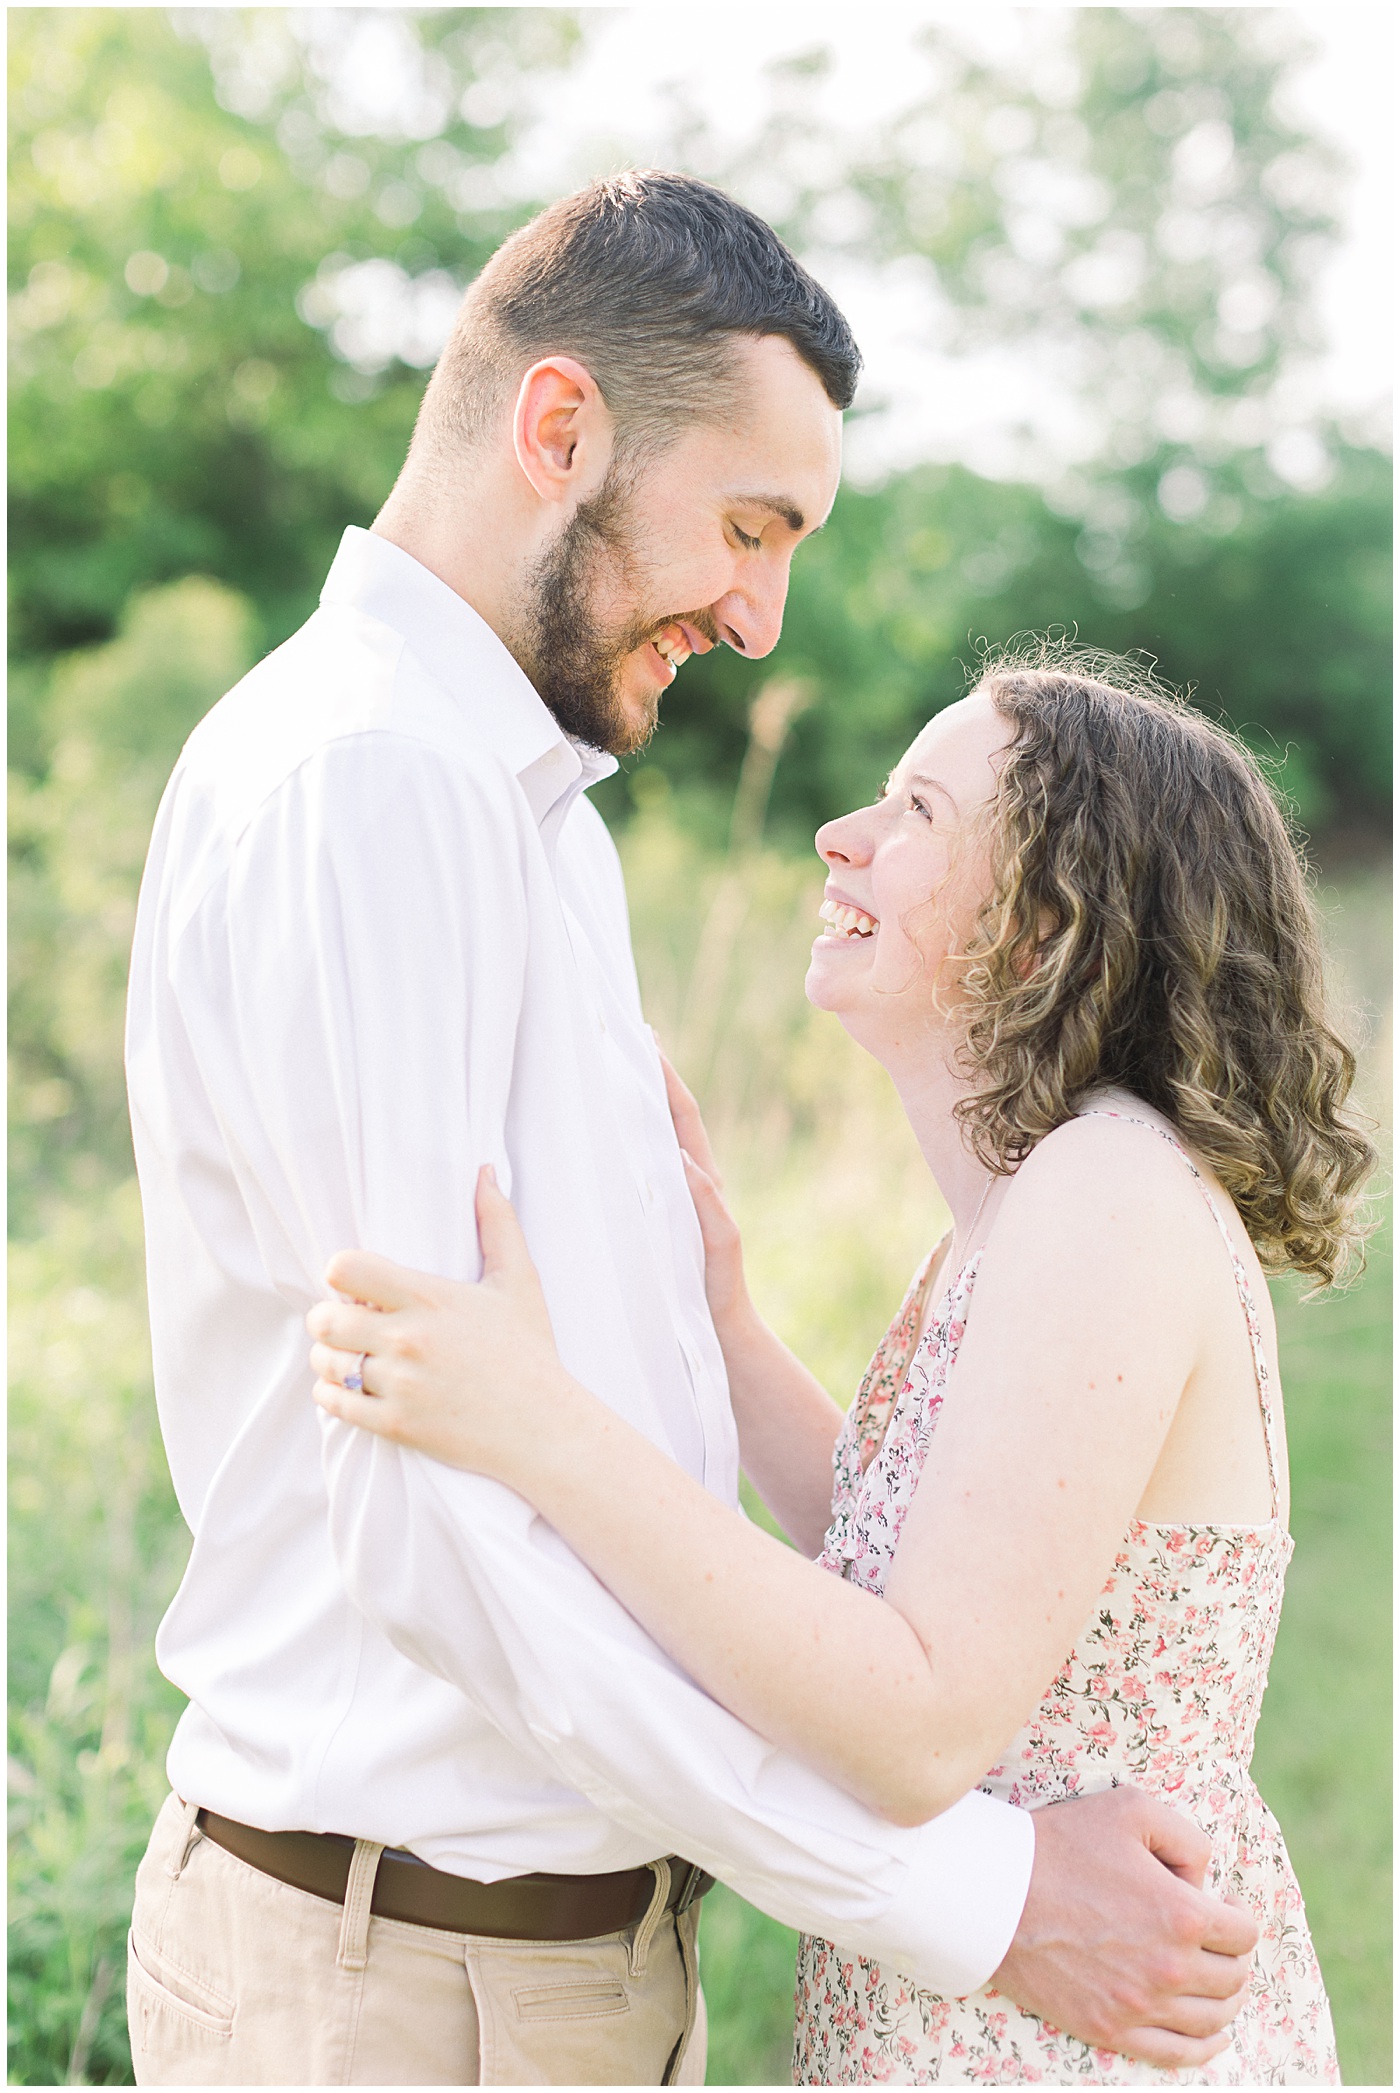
(382, 940)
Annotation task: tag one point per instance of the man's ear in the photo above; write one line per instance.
(562, 429)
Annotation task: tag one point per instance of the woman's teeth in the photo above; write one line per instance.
(846, 921)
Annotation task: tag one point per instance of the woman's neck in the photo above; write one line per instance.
(930, 1091)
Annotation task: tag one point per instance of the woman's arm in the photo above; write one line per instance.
(1066, 1385)
(787, 1422)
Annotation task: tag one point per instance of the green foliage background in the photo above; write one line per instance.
(195, 416)
(208, 426)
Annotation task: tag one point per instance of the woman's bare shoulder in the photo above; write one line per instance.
(1115, 1164)
(1109, 1127)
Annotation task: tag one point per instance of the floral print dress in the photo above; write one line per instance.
(1162, 1688)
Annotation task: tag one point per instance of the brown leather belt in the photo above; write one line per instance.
(524, 1907)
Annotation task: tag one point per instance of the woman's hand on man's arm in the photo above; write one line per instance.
(468, 1373)
(726, 1289)
(787, 1422)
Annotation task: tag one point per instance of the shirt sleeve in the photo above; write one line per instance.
(377, 1055)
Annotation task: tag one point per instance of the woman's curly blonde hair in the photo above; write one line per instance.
(1150, 927)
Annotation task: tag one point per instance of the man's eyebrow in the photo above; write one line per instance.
(776, 505)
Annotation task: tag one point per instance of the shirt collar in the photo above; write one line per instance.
(454, 642)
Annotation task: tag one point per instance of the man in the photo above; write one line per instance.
(441, 1809)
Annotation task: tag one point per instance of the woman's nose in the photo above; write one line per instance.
(841, 842)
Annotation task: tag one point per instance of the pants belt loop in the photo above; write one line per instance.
(190, 1835)
(353, 1950)
(645, 1933)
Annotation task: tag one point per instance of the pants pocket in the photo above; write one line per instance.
(570, 2013)
(176, 2023)
(570, 2001)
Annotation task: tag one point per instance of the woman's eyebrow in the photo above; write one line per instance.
(921, 777)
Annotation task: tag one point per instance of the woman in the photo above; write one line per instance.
(1075, 932)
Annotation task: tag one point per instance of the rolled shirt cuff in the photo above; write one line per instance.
(957, 1909)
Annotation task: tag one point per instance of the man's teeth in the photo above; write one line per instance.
(675, 651)
(847, 921)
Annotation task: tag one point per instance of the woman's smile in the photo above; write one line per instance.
(848, 922)
(906, 876)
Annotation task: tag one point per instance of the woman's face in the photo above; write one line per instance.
(906, 879)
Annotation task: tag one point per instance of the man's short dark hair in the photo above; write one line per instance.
(646, 279)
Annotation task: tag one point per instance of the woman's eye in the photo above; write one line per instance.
(921, 806)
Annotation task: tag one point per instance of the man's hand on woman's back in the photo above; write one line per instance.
(1118, 1943)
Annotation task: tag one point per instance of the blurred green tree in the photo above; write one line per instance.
(1280, 623)
(187, 394)
(1126, 195)
(115, 717)
(1129, 199)
(235, 251)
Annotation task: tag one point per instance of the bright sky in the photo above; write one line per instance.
(1348, 93)
(614, 111)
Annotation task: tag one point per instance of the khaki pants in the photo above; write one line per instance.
(235, 1979)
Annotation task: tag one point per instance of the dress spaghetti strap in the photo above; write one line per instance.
(884, 1377)
(1251, 1313)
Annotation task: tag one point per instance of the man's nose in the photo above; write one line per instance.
(750, 619)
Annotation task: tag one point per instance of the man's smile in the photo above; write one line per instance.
(673, 643)
(673, 646)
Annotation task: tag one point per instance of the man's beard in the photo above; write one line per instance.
(573, 662)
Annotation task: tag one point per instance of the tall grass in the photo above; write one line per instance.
(837, 1208)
